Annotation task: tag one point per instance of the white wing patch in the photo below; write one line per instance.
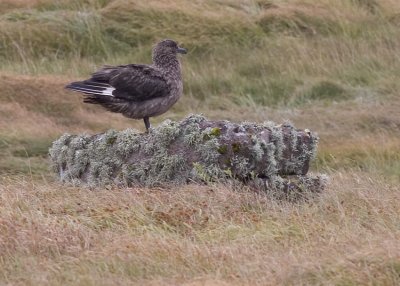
(108, 91)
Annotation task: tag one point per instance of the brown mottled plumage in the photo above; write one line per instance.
(137, 91)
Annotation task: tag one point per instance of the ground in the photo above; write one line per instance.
(329, 66)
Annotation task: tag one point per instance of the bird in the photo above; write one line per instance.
(137, 91)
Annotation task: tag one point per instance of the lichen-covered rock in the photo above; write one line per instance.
(194, 149)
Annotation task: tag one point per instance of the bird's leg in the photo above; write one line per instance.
(146, 123)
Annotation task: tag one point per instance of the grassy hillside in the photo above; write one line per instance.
(288, 52)
(331, 66)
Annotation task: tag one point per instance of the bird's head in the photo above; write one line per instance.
(168, 47)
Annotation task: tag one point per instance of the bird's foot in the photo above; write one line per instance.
(148, 130)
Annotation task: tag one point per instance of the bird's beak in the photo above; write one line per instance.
(181, 50)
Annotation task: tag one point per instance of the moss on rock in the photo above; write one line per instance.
(174, 153)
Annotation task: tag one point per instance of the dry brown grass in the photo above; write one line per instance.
(329, 66)
(52, 234)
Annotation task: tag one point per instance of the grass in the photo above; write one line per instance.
(331, 67)
(270, 67)
(350, 234)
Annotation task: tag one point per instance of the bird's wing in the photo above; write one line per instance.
(127, 82)
(134, 82)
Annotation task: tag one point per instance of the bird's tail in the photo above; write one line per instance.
(98, 93)
(89, 87)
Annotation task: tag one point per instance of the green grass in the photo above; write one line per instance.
(379, 161)
(253, 51)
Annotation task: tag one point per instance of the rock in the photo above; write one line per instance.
(192, 150)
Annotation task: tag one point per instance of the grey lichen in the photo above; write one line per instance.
(270, 168)
(128, 141)
(276, 137)
(174, 153)
(258, 148)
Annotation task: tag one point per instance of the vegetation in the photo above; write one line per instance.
(192, 150)
(330, 66)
